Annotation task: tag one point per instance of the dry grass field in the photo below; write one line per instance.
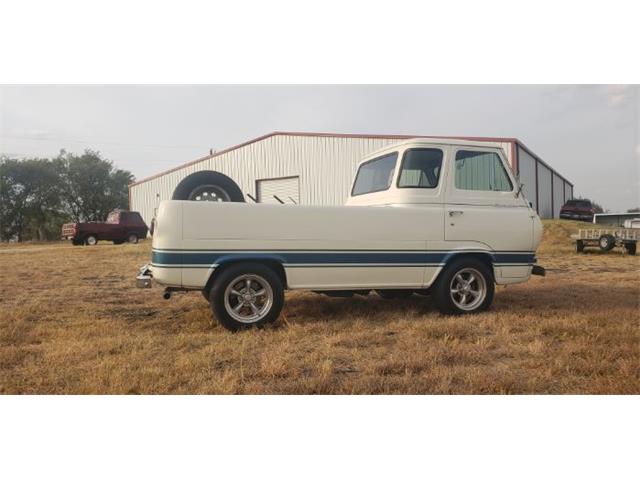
(72, 321)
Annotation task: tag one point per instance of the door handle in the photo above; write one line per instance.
(455, 212)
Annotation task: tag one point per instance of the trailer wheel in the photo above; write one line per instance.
(208, 186)
(579, 246)
(246, 295)
(630, 248)
(91, 240)
(465, 286)
(394, 294)
(606, 242)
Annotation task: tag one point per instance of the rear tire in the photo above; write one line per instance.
(465, 286)
(579, 246)
(133, 238)
(91, 240)
(246, 295)
(606, 242)
(208, 186)
(630, 248)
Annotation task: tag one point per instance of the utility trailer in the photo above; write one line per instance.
(607, 238)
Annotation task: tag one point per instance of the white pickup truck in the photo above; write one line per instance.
(424, 216)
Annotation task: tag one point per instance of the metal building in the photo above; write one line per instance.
(318, 168)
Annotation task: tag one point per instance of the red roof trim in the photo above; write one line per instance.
(335, 135)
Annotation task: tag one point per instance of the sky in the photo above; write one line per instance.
(590, 134)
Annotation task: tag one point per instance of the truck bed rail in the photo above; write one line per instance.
(618, 233)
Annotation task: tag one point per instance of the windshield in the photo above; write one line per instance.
(375, 175)
(579, 203)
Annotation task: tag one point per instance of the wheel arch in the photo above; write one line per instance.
(485, 257)
(273, 262)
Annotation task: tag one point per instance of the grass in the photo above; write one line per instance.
(72, 321)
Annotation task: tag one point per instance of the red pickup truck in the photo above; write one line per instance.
(121, 226)
(578, 209)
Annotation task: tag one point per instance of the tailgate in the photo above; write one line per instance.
(69, 229)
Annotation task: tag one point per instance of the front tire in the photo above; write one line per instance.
(246, 295)
(465, 286)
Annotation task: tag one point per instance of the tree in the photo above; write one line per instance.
(29, 194)
(597, 207)
(38, 195)
(91, 186)
(633, 210)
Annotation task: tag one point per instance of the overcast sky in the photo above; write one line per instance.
(589, 134)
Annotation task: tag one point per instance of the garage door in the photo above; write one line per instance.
(286, 189)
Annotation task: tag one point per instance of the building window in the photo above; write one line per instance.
(375, 175)
(420, 168)
(481, 171)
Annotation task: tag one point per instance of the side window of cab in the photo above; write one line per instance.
(420, 168)
(481, 171)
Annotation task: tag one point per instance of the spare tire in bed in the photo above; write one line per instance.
(208, 186)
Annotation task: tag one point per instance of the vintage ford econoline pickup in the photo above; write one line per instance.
(425, 216)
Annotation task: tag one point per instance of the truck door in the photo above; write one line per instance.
(481, 206)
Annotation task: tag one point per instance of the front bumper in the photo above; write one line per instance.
(143, 280)
(577, 216)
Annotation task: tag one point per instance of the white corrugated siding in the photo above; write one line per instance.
(286, 189)
(325, 166)
(568, 192)
(528, 175)
(558, 195)
(545, 208)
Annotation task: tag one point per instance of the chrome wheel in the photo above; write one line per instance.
(209, 193)
(604, 242)
(248, 298)
(468, 289)
(91, 240)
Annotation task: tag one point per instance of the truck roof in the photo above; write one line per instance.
(433, 141)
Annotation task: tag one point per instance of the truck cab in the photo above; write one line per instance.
(469, 196)
(445, 217)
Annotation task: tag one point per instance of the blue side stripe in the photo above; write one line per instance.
(412, 257)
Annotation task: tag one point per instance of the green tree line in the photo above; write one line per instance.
(38, 195)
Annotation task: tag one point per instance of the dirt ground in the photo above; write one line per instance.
(72, 321)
